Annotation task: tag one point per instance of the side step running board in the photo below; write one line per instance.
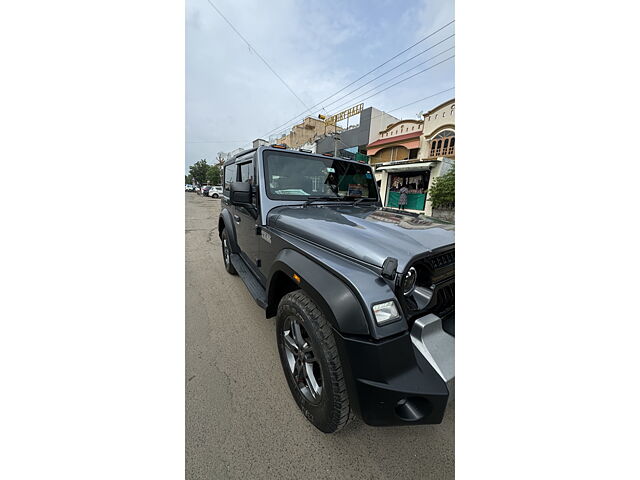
(256, 290)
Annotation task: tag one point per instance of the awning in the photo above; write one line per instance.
(396, 138)
(407, 167)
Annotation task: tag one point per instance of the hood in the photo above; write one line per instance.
(370, 234)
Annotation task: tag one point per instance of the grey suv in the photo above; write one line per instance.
(363, 295)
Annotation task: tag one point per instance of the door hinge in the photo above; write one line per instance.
(258, 230)
(258, 262)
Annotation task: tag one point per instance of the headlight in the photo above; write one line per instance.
(385, 312)
(409, 281)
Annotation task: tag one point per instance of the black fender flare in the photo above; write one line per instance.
(225, 222)
(330, 293)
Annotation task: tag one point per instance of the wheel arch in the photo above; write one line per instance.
(226, 223)
(280, 284)
(328, 292)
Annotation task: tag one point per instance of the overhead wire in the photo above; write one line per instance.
(251, 47)
(360, 100)
(390, 79)
(361, 77)
(309, 109)
(387, 112)
(213, 141)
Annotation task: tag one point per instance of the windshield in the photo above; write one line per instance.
(293, 176)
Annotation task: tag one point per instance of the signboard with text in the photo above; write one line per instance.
(349, 112)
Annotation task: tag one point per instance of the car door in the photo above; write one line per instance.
(247, 219)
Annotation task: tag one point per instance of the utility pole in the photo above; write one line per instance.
(336, 139)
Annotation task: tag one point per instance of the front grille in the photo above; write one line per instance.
(444, 299)
(435, 275)
(442, 260)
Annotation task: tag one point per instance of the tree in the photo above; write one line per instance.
(198, 171)
(214, 175)
(443, 191)
(187, 179)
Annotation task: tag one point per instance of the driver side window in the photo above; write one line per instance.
(246, 173)
(229, 176)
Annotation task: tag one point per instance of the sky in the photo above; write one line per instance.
(317, 47)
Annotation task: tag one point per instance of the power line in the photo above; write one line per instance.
(387, 112)
(259, 56)
(388, 80)
(214, 141)
(397, 108)
(390, 70)
(362, 76)
(360, 100)
(422, 99)
(382, 113)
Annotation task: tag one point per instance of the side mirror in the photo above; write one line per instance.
(240, 193)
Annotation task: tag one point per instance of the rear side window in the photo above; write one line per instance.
(229, 176)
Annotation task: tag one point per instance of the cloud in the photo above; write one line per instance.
(316, 47)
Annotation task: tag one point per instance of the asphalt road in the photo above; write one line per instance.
(241, 421)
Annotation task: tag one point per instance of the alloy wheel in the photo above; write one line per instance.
(303, 364)
(225, 251)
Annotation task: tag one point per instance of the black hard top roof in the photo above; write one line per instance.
(268, 147)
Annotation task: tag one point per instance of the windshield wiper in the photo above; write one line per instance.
(312, 199)
(362, 199)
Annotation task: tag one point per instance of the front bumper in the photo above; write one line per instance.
(407, 379)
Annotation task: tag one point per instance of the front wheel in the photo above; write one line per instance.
(311, 363)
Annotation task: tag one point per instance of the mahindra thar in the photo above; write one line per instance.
(363, 295)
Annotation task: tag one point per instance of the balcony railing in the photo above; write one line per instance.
(442, 147)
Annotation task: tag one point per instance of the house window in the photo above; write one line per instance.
(443, 144)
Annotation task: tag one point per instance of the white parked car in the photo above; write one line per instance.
(215, 191)
(189, 188)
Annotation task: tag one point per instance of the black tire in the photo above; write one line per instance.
(226, 253)
(330, 411)
(215, 195)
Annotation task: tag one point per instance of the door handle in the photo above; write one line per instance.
(237, 218)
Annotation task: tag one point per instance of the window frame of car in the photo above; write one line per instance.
(252, 159)
(299, 198)
(232, 170)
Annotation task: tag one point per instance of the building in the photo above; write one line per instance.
(309, 147)
(305, 132)
(352, 141)
(224, 156)
(258, 142)
(438, 142)
(413, 153)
